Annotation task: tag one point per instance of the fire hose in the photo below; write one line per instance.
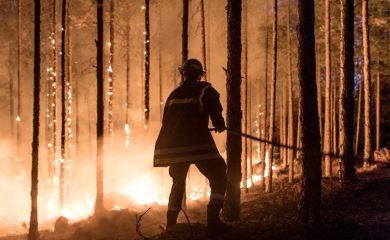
(245, 135)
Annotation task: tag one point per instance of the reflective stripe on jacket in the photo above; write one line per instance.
(184, 135)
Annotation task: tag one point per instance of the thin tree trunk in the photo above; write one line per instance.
(284, 123)
(110, 91)
(231, 210)
(334, 118)
(358, 120)
(99, 207)
(245, 97)
(290, 103)
(377, 107)
(299, 131)
(54, 85)
(69, 97)
(319, 94)
(346, 104)
(127, 126)
(184, 39)
(11, 93)
(263, 146)
(328, 94)
(147, 62)
(33, 229)
(160, 71)
(18, 108)
(204, 47)
(273, 98)
(367, 85)
(310, 204)
(63, 107)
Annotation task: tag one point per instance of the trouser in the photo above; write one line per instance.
(214, 170)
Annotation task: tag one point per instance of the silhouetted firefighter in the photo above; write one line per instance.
(185, 139)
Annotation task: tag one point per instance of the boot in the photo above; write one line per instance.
(214, 224)
(171, 218)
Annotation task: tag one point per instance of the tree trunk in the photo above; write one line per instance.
(99, 207)
(290, 137)
(310, 204)
(184, 43)
(18, 108)
(334, 126)
(377, 107)
(54, 83)
(127, 127)
(328, 94)
(204, 47)
(245, 97)
(33, 233)
(367, 84)
(160, 71)
(63, 107)
(319, 94)
(346, 104)
(273, 98)
(263, 146)
(147, 62)
(110, 91)
(231, 210)
(358, 120)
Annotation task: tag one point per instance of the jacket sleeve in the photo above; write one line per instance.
(213, 107)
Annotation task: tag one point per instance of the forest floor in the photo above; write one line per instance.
(352, 211)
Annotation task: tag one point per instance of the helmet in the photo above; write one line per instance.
(191, 67)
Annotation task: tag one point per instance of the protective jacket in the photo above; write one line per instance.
(184, 135)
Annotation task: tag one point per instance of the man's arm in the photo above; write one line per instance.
(214, 108)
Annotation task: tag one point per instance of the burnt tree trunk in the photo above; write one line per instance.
(184, 36)
(346, 104)
(100, 111)
(231, 210)
(204, 47)
(245, 96)
(268, 186)
(147, 62)
(263, 146)
(310, 203)
(111, 71)
(63, 107)
(377, 107)
(33, 233)
(18, 104)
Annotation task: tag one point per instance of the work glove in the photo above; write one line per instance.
(220, 129)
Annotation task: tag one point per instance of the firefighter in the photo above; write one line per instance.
(185, 139)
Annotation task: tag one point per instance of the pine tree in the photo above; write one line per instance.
(358, 110)
(33, 233)
(346, 104)
(231, 210)
(310, 204)
(147, 62)
(263, 146)
(367, 85)
(63, 107)
(184, 45)
(273, 97)
(328, 92)
(290, 137)
(100, 110)
(204, 47)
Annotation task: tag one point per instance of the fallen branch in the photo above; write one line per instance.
(138, 220)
